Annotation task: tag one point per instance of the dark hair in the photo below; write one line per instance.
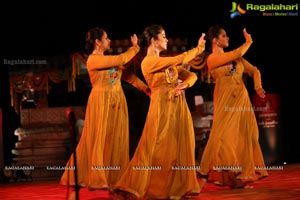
(91, 36)
(150, 31)
(213, 32)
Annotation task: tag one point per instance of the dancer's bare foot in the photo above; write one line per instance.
(190, 195)
(202, 180)
(240, 184)
(202, 183)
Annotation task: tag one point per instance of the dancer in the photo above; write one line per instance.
(163, 166)
(232, 155)
(103, 149)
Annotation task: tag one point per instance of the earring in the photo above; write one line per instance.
(218, 43)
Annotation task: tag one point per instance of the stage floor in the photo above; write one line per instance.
(281, 184)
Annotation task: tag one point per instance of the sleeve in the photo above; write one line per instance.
(187, 76)
(216, 60)
(253, 72)
(132, 79)
(191, 54)
(96, 62)
(161, 63)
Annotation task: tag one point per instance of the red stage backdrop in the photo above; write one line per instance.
(267, 111)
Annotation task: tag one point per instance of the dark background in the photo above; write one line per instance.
(45, 29)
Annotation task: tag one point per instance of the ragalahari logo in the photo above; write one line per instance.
(236, 10)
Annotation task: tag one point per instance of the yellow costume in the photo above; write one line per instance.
(103, 149)
(163, 165)
(233, 144)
